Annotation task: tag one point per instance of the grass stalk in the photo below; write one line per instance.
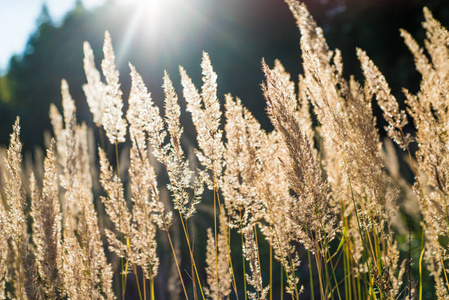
(258, 253)
(122, 271)
(271, 272)
(346, 274)
(137, 281)
(191, 253)
(216, 237)
(188, 243)
(19, 271)
(329, 288)
(320, 279)
(243, 260)
(144, 288)
(282, 282)
(420, 273)
(228, 248)
(283, 259)
(176, 260)
(311, 275)
(334, 276)
(195, 291)
(361, 232)
(152, 289)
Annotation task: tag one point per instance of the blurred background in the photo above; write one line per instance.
(42, 43)
(162, 34)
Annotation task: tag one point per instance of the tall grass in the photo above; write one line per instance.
(327, 201)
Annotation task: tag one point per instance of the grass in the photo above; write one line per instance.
(300, 212)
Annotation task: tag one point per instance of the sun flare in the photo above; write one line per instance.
(150, 6)
(152, 17)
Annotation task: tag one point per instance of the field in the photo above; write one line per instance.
(321, 207)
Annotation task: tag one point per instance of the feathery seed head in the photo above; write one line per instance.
(206, 116)
(93, 89)
(114, 124)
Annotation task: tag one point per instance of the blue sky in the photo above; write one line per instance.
(18, 21)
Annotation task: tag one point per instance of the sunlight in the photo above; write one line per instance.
(151, 8)
(151, 15)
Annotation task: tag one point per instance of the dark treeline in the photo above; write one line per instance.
(237, 34)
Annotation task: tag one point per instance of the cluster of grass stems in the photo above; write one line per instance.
(328, 199)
